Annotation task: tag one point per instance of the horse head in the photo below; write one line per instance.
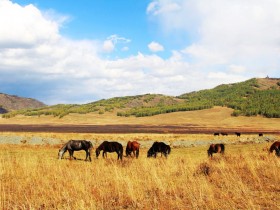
(150, 153)
(97, 152)
(62, 150)
(209, 152)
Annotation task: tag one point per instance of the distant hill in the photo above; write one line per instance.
(12, 103)
(248, 98)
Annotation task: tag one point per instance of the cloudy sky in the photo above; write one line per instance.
(81, 51)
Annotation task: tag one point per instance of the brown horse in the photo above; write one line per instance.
(275, 146)
(216, 148)
(134, 147)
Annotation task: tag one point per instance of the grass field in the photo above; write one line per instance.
(246, 177)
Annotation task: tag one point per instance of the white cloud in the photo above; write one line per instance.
(110, 43)
(24, 26)
(59, 70)
(225, 34)
(161, 7)
(232, 45)
(155, 47)
(108, 46)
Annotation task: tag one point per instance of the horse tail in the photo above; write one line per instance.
(127, 151)
(222, 148)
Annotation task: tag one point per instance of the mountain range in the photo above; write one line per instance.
(257, 96)
(11, 103)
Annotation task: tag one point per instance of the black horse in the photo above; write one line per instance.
(237, 134)
(107, 146)
(76, 145)
(216, 148)
(159, 147)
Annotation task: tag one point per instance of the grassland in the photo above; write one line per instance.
(246, 177)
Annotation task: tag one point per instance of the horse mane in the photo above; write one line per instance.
(101, 146)
(64, 146)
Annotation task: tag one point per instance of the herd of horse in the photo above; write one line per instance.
(238, 134)
(134, 146)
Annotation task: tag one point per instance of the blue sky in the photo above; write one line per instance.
(81, 51)
(98, 20)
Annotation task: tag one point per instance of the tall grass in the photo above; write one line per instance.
(246, 177)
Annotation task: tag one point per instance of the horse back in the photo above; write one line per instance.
(135, 145)
(114, 146)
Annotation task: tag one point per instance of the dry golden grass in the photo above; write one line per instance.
(246, 177)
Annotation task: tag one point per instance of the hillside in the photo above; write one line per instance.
(11, 103)
(249, 98)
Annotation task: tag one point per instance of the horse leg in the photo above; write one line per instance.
(137, 153)
(89, 157)
(73, 155)
(121, 154)
(134, 153)
(70, 154)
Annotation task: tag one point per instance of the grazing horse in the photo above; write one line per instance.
(224, 134)
(159, 147)
(260, 134)
(216, 134)
(132, 147)
(76, 145)
(237, 134)
(216, 148)
(107, 146)
(275, 146)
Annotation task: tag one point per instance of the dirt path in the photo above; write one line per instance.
(176, 129)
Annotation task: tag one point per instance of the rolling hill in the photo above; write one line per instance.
(12, 103)
(249, 98)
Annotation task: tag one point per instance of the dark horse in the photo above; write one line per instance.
(76, 145)
(107, 146)
(237, 134)
(132, 147)
(159, 147)
(216, 148)
(275, 146)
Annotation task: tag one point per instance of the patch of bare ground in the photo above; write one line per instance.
(267, 83)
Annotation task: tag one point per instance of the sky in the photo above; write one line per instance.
(81, 51)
